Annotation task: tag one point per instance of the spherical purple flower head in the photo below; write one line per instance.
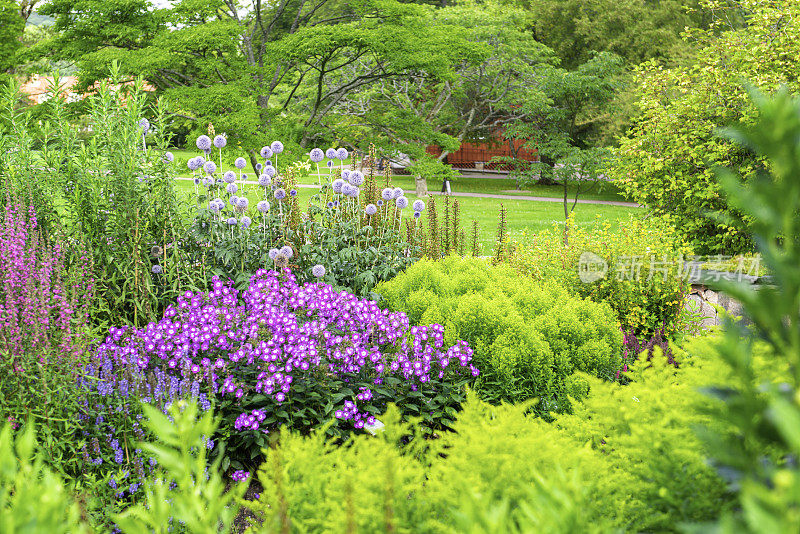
(201, 161)
(347, 189)
(210, 167)
(193, 164)
(418, 205)
(281, 261)
(196, 180)
(144, 125)
(269, 170)
(213, 206)
(316, 155)
(387, 193)
(401, 202)
(277, 147)
(371, 209)
(220, 141)
(293, 193)
(240, 163)
(244, 176)
(342, 153)
(318, 271)
(229, 177)
(232, 200)
(259, 166)
(246, 221)
(203, 142)
(265, 152)
(345, 174)
(264, 180)
(380, 202)
(356, 178)
(417, 214)
(263, 206)
(156, 269)
(231, 221)
(272, 253)
(280, 194)
(242, 203)
(397, 192)
(337, 185)
(268, 163)
(330, 153)
(231, 189)
(208, 182)
(330, 164)
(287, 251)
(169, 157)
(335, 203)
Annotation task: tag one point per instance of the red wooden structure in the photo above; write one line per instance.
(472, 154)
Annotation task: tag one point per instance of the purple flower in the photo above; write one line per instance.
(264, 180)
(287, 251)
(240, 163)
(348, 189)
(210, 167)
(231, 221)
(387, 193)
(417, 214)
(272, 253)
(229, 177)
(246, 221)
(169, 157)
(342, 153)
(345, 174)
(293, 192)
(204, 142)
(316, 155)
(379, 202)
(232, 201)
(356, 178)
(397, 192)
(193, 164)
(266, 152)
(280, 194)
(144, 125)
(259, 167)
(330, 164)
(269, 170)
(220, 141)
(263, 206)
(240, 476)
(242, 203)
(318, 271)
(371, 209)
(156, 269)
(330, 153)
(231, 188)
(337, 185)
(418, 205)
(277, 147)
(401, 202)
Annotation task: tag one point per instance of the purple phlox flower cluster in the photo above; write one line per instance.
(387, 193)
(240, 476)
(418, 205)
(276, 333)
(250, 421)
(220, 141)
(316, 155)
(371, 209)
(210, 167)
(356, 178)
(229, 177)
(277, 147)
(203, 142)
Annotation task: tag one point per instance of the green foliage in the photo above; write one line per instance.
(758, 455)
(188, 491)
(33, 499)
(11, 27)
(667, 159)
(643, 283)
(529, 338)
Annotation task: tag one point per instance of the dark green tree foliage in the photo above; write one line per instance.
(11, 27)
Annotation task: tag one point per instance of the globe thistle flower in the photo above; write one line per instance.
(203, 142)
(264, 180)
(329, 204)
(273, 252)
(231, 221)
(345, 174)
(269, 170)
(244, 176)
(335, 203)
(210, 167)
(277, 147)
(156, 269)
(417, 214)
(316, 155)
(229, 177)
(318, 270)
(263, 206)
(287, 251)
(201, 161)
(246, 221)
(330, 153)
(371, 209)
(208, 182)
(356, 178)
(169, 157)
(379, 202)
(280, 194)
(242, 203)
(193, 164)
(337, 185)
(330, 164)
(232, 201)
(240, 163)
(342, 153)
(144, 125)
(281, 261)
(196, 180)
(231, 189)
(293, 193)
(220, 141)
(268, 163)
(265, 152)
(347, 189)
(397, 193)
(259, 166)
(387, 193)
(212, 205)
(401, 202)
(418, 205)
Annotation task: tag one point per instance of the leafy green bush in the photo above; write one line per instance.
(528, 337)
(643, 283)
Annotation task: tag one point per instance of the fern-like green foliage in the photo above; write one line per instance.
(529, 337)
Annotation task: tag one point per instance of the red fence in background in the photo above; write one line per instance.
(471, 153)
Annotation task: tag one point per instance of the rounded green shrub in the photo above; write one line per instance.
(529, 337)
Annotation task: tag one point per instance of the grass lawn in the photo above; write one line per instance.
(523, 216)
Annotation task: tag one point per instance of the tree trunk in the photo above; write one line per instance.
(421, 185)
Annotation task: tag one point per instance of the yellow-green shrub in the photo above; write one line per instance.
(643, 305)
(529, 337)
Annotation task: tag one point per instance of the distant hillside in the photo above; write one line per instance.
(39, 20)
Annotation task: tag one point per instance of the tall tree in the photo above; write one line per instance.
(11, 27)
